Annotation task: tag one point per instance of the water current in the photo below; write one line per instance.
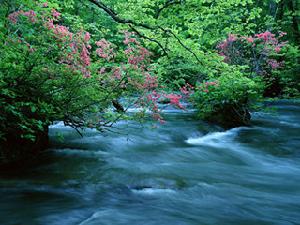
(183, 172)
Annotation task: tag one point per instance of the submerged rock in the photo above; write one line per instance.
(230, 117)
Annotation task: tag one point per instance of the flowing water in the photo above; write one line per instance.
(183, 172)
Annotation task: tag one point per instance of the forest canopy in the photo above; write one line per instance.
(77, 60)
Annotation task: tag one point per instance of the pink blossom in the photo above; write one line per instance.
(150, 81)
(62, 32)
(155, 95)
(86, 73)
(187, 89)
(137, 56)
(84, 55)
(128, 51)
(117, 73)
(87, 36)
(133, 60)
(13, 17)
(281, 34)
(184, 90)
(103, 43)
(55, 14)
(102, 70)
(279, 46)
(129, 39)
(250, 39)
(211, 83)
(267, 36)
(223, 45)
(175, 100)
(231, 37)
(274, 64)
(105, 50)
(73, 47)
(49, 24)
(277, 49)
(31, 15)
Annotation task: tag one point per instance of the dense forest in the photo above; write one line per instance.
(75, 61)
(146, 112)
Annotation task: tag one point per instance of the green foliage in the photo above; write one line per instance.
(36, 88)
(290, 74)
(230, 92)
(198, 25)
(39, 85)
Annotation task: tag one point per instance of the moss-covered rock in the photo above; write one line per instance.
(230, 117)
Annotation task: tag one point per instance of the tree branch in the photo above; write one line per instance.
(150, 39)
(181, 43)
(166, 5)
(132, 23)
(118, 19)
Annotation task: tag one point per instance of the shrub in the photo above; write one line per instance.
(264, 55)
(227, 98)
(49, 72)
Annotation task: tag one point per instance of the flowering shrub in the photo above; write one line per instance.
(51, 72)
(260, 53)
(135, 74)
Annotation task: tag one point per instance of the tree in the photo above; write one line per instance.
(50, 73)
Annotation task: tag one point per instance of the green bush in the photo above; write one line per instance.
(227, 98)
(289, 75)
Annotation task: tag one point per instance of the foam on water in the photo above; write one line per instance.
(154, 191)
(58, 125)
(162, 110)
(215, 138)
(79, 152)
(169, 175)
(290, 124)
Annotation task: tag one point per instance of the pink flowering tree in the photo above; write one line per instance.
(131, 67)
(260, 53)
(53, 72)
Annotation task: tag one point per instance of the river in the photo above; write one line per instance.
(180, 173)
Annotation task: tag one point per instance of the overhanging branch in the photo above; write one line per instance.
(115, 16)
(166, 5)
(133, 24)
(150, 39)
